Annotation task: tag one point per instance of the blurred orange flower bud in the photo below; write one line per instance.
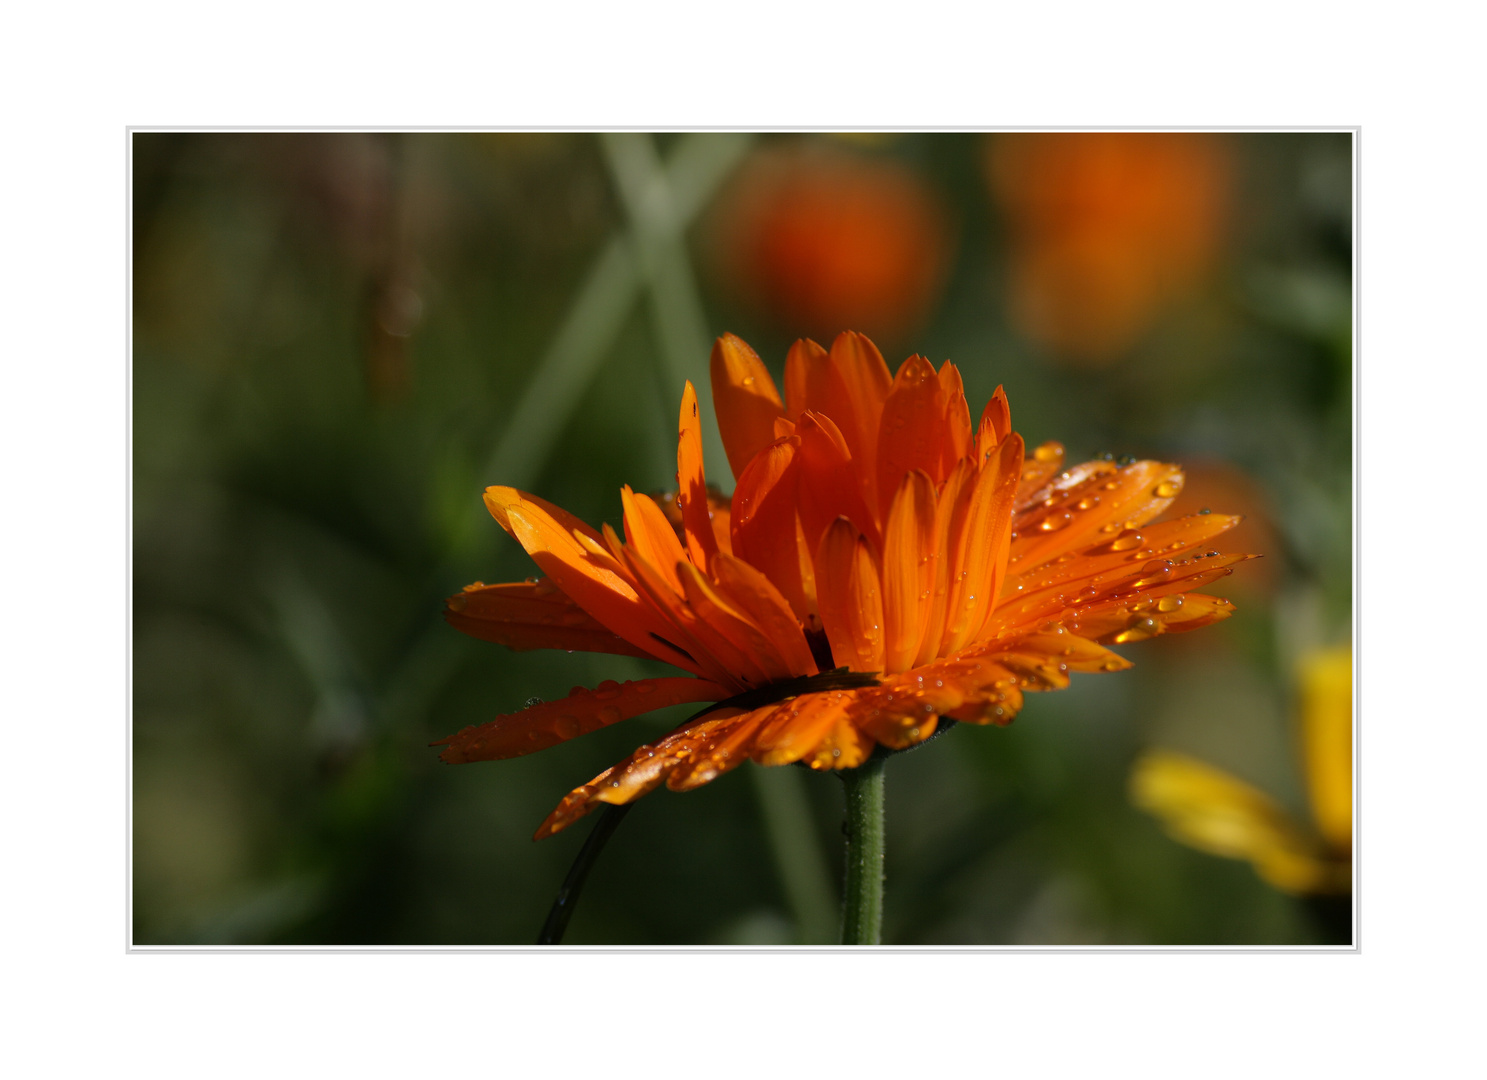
(1106, 230)
(816, 238)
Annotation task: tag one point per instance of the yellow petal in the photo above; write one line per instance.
(1326, 679)
(1212, 811)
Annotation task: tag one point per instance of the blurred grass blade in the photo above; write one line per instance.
(797, 853)
(598, 312)
(658, 218)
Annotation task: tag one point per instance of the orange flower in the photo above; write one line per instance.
(817, 238)
(1107, 229)
(886, 565)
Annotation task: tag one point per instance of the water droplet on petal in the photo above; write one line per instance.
(1054, 522)
(1169, 603)
(1167, 489)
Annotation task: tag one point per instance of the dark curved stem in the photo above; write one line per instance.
(567, 899)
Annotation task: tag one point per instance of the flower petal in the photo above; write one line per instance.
(977, 544)
(844, 746)
(755, 594)
(643, 771)
(745, 400)
(996, 424)
(576, 560)
(549, 723)
(828, 482)
(908, 569)
(723, 749)
(651, 536)
(1117, 622)
(911, 433)
(796, 727)
(715, 610)
(849, 384)
(765, 523)
(721, 659)
(1212, 811)
(955, 440)
(1326, 683)
(948, 504)
(1040, 466)
(1089, 505)
(531, 615)
(691, 482)
(850, 597)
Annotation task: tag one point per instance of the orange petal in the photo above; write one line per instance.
(828, 481)
(1040, 466)
(651, 536)
(947, 505)
(691, 482)
(764, 523)
(1167, 539)
(1089, 506)
(996, 424)
(859, 386)
(753, 593)
(844, 746)
(641, 772)
(808, 379)
(1140, 583)
(745, 400)
(1118, 623)
(717, 612)
(850, 597)
(955, 443)
(978, 542)
(579, 565)
(797, 726)
(724, 748)
(531, 615)
(911, 433)
(551, 722)
(908, 569)
(719, 656)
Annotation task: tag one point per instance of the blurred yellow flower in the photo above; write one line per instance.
(1208, 809)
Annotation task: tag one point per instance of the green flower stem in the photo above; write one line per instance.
(862, 893)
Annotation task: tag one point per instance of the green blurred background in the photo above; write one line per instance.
(340, 339)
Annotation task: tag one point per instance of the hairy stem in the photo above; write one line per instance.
(862, 891)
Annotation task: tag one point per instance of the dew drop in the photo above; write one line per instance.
(1089, 502)
(1126, 541)
(1205, 510)
(1167, 489)
(1046, 453)
(1169, 603)
(1054, 522)
(533, 701)
(835, 752)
